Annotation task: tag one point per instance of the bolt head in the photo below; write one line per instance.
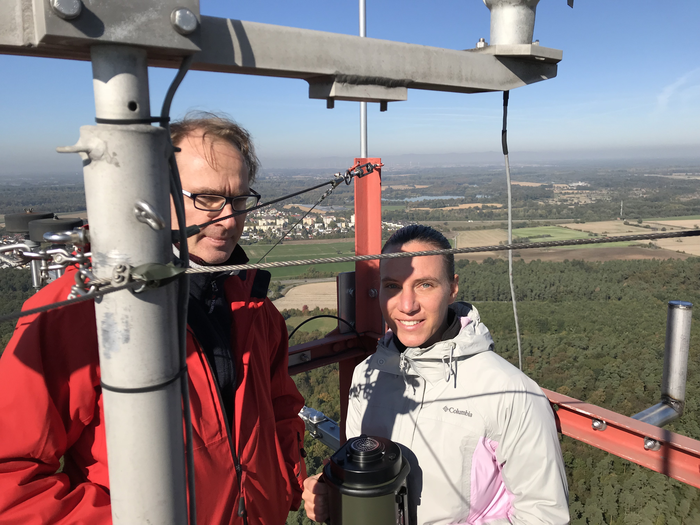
(184, 21)
(67, 9)
(373, 293)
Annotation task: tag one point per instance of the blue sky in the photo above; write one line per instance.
(628, 86)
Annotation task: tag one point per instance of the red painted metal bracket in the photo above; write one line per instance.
(678, 456)
(334, 348)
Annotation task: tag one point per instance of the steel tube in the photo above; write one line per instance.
(675, 367)
(363, 105)
(677, 347)
(659, 415)
(137, 333)
(512, 21)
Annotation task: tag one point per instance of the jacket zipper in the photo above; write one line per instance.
(229, 431)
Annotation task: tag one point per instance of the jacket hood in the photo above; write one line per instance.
(437, 362)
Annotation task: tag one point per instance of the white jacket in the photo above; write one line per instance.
(483, 433)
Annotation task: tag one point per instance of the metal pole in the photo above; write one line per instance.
(363, 105)
(675, 367)
(137, 332)
(680, 314)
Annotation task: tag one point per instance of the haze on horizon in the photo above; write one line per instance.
(627, 89)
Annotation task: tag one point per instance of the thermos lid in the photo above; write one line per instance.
(365, 462)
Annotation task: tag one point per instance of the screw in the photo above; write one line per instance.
(67, 9)
(184, 21)
(651, 444)
(372, 293)
(481, 43)
(599, 424)
(304, 357)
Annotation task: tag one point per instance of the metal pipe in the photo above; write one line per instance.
(680, 314)
(126, 163)
(675, 367)
(512, 21)
(363, 105)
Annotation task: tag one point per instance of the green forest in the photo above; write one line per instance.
(593, 331)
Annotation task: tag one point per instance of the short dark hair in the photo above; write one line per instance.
(428, 235)
(220, 127)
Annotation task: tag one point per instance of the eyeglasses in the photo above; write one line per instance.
(209, 202)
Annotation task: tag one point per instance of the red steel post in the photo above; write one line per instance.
(368, 240)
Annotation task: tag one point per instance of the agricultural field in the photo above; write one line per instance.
(324, 324)
(321, 295)
(300, 251)
(475, 238)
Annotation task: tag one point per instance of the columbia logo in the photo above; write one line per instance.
(453, 410)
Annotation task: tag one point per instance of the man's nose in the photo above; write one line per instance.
(227, 211)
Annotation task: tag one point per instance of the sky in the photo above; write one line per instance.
(628, 87)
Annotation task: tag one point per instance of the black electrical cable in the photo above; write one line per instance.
(504, 145)
(320, 316)
(183, 284)
(356, 171)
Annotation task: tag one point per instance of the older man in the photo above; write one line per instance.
(481, 437)
(247, 437)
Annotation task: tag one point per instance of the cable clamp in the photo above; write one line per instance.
(360, 170)
(155, 275)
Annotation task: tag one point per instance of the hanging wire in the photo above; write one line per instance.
(504, 145)
(183, 283)
(320, 317)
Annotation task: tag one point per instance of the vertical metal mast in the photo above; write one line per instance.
(125, 169)
(363, 105)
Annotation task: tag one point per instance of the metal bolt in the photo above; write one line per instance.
(481, 43)
(184, 21)
(304, 357)
(351, 292)
(599, 424)
(372, 293)
(67, 9)
(651, 444)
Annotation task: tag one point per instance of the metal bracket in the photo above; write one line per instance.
(301, 357)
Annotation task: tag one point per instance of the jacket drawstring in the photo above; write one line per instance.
(447, 364)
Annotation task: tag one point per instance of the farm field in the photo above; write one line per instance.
(312, 295)
(683, 218)
(323, 324)
(606, 227)
(464, 206)
(475, 238)
(298, 251)
(688, 224)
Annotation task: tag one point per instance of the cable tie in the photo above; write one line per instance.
(144, 389)
(125, 121)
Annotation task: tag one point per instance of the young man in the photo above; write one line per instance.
(481, 437)
(247, 436)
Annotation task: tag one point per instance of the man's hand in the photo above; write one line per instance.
(315, 498)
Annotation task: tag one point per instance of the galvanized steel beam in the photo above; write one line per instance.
(32, 28)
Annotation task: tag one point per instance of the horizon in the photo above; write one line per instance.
(619, 95)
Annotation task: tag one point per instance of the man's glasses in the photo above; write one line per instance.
(209, 202)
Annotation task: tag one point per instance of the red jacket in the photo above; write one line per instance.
(51, 407)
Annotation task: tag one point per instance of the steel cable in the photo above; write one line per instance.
(354, 258)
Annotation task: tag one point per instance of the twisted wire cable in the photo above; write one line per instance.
(353, 258)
